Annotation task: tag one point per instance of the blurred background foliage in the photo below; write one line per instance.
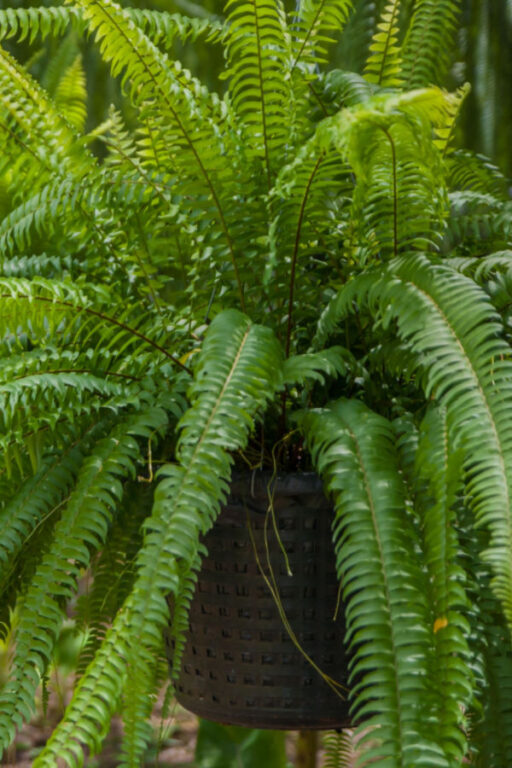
(483, 57)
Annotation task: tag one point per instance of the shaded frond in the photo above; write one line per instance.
(302, 199)
(71, 95)
(478, 223)
(97, 607)
(344, 89)
(314, 366)
(470, 171)
(429, 41)
(37, 497)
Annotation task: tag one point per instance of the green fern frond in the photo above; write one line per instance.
(81, 529)
(40, 401)
(478, 223)
(36, 306)
(30, 109)
(165, 28)
(37, 497)
(317, 22)
(162, 27)
(50, 266)
(467, 369)
(99, 605)
(345, 89)
(428, 44)
(314, 366)
(383, 586)
(384, 64)
(340, 750)
(71, 95)
(302, 196)
(179, 605)
(137, 704)
(445, 132)
(491, 722)
(259, 55)
(470, 171)
(183, 119)
(29, 23)
(439, 464)
(399, 202)
(237, 382)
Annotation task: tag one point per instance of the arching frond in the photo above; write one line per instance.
(82, 528)
(237, 382)
(467, 370)
(398, 201)
(386, 613)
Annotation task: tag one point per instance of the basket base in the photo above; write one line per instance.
(240, 665)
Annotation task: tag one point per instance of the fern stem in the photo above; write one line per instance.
(143, 267)
(387, 44)
(308, 35)
(107, 319)
(83, 370)
(296, 251)
(262, 92)
(318, 100)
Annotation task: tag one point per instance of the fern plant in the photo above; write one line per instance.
(299, 271)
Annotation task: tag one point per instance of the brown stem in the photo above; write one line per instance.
(107, 318)
(307, 748)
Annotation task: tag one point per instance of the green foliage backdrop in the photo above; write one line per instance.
(295, 267)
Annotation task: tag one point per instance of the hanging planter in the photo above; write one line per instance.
(242, 665)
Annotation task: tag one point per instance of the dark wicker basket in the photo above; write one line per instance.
(240, 666)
